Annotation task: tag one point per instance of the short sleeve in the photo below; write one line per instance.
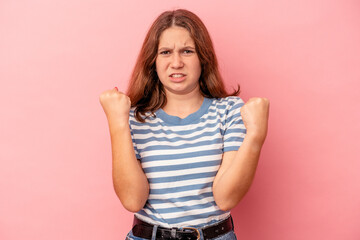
(133, 138)
(235, 131)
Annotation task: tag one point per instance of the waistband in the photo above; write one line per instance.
(146, 230)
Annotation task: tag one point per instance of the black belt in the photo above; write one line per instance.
(144, 230)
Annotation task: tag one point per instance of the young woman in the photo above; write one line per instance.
(176, 136)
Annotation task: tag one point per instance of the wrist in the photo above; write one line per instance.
(118, 123)
(256, 140)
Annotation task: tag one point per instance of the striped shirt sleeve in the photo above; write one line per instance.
(132, 135)
(235, 130)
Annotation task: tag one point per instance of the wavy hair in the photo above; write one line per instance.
(145, 90)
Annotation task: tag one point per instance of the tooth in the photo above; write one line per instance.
(177, 75)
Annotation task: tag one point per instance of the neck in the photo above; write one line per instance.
(183, 105)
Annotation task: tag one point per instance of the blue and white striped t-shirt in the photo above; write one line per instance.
(181, 157)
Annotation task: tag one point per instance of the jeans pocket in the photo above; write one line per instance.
(130, 236)
(227, 236)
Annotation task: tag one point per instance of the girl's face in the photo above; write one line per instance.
(177, 64)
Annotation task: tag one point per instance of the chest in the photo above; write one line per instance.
(180, 152)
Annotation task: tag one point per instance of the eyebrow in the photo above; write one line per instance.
(168, 48)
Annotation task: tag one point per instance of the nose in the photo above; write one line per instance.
(176, 61)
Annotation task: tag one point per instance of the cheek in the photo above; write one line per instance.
(159, 65)
(197, 68)
(160, 70)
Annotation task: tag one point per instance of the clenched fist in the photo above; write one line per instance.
(255, 114)
(116, 105)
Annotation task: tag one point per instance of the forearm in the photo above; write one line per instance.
(235, 181)
(130, 182)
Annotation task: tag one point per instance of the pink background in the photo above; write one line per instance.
(56, 57)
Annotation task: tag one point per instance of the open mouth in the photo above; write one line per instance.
(177, 75)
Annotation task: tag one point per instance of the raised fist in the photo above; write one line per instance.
(116, 105)
(255, 114)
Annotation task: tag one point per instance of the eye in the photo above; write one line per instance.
(187, 51)
(165, 52)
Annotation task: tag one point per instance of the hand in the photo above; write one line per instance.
(255, 114)
(116, 105)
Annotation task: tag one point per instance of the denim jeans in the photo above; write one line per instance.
(227, 236)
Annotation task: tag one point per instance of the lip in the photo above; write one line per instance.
(177, 79)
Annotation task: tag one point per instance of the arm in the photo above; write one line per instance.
(238, 168)
(130, 182)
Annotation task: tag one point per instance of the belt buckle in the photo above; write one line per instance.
(196, 230)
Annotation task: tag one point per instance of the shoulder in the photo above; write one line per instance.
(228, 102)
(225, 108)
